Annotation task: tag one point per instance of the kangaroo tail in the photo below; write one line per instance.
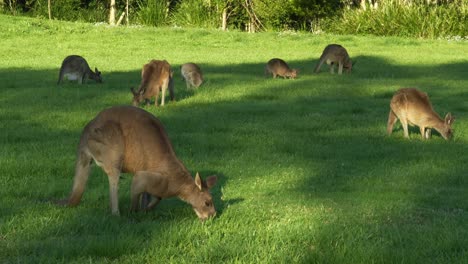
(82, 169)
(319, 64)
(392, 118)
(322, 59)
(60, 75)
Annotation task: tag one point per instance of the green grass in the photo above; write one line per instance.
(307, 173)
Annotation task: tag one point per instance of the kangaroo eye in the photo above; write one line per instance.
(208, 203)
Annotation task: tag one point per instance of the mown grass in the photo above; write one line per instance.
(306, 171)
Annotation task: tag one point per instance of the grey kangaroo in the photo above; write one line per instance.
(129, 139)
(334, 54)
(413, 107)
(278, 67)
(192, 75)
(75, 68)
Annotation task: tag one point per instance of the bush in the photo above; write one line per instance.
(408, 20)
(70, 10)
(196, 13)
(152, 12)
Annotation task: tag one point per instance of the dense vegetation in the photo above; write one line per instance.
(307, 172)
(412, 18)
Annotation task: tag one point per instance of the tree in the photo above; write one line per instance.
(49, 9)
(112, 13)
(254, 22)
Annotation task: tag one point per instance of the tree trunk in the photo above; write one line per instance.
(112, 13)
(120, 19)
(126, 15)
(224, 26)
(49, 9)
(363, 5)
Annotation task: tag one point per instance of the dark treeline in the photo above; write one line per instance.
(415, 18)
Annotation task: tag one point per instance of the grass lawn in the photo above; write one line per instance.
(306, 171)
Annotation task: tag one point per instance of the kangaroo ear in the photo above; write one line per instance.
(449, 119)
(198, 181)
(133, 91)
(211, 181)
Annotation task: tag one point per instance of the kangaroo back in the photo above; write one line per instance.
(75, 67)
(129, 139)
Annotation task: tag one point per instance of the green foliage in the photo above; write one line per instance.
(305, 13)
(307, 172)
(274, 14)
(71, 10)
(196, 13)
(293, 14)
(393, 18)
(152, 12)
(389, 18)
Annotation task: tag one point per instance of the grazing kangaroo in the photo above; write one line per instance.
(129, 139)
(192, 75)
(155, 76)
(75, 67)
(335, 54)
(413, 107)
(278, 67)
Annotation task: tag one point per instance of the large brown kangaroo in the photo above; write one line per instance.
(413, 107)
(155, 76)
(129, 139)
(75, 67)
(335, 54)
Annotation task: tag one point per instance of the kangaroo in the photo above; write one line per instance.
(192, 75)
(278, 67)
(335, 54)
(413, 107)
(155, 76)
(129, 139)
(75, 67)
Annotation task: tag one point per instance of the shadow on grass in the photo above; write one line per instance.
(335, 134)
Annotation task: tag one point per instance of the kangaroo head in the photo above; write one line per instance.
(447, 131)
(97, 75)
(293, 73)
(348, 66)
(137, 96)
(202, 202)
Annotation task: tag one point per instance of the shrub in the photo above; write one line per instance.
(409, 20)
(152, 12)
(196, 13)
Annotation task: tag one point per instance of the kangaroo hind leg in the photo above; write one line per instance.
(164, 87)
(106, 145)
